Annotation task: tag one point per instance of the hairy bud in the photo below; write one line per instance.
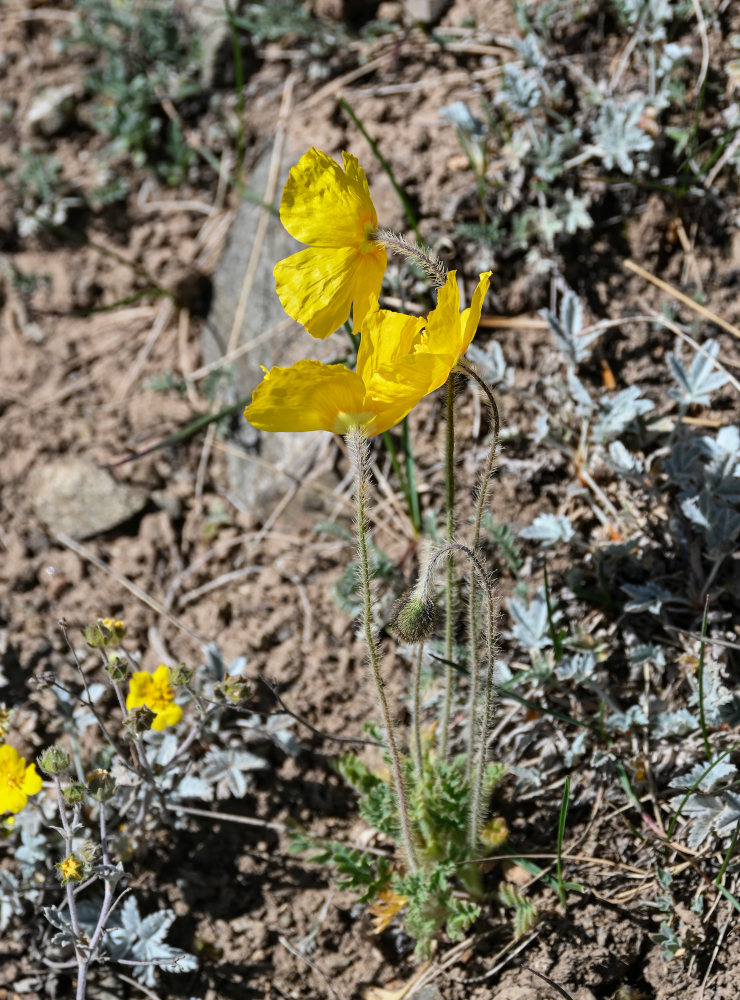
(414, 617)
(53, 760)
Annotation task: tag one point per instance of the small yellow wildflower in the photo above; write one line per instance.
(154, 691)
(17, 781)
(401, 359)
(387, 904)
(331, 210)
(70, 869)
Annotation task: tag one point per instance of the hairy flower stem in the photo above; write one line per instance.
(358, 451)
(427, 261)
(483, 489)
(416, 712)
(444, 725)
(479, 769)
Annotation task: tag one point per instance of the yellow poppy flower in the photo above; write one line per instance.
(331, 210)
(17, 781)
(154, 691)
(401, 359)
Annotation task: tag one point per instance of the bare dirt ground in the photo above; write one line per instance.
(75, 383)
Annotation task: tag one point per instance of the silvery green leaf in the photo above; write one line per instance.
(729, 711)
(715, 694)
(192, 787)
(671, 58)
(460, 115)
(214, 665)
(622, 722)
(578, 392)
(11, 901)
(722, 472)
(548, 225)
(573, 213)
(549, 529)
(519, 89)
(719, 522)
(578, 667)
(143, 939)
(527, 777)
(65, 935)
(624, 462)
(649, 597)
(237, 666)
(696, 385)
(708, 780)
(576, 750)
(730, 815)
(225, 768)
(531, 625)
(619, 413)
(161, 748)
(528, 49)
(647, 653)
(566, 328)
(677, 723)
(618, 136)
(703, 811)
(32, 851)
(684, 464)
(491, 363)
(550, 151)
(541, 428)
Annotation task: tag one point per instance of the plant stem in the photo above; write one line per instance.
(416, 712)
(482, 494)
(358, 450)
(450, 566)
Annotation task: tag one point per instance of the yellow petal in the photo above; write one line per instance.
(471, 317)
(170, 716)
(139, 689)
(325, 206)
(396, 389)
(32, 782)
(368, 282)
(316, 287)
(386, 336)
(12, 799)
(161, 675)
(309, 396)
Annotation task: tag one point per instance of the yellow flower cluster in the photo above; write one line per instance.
(401, 358)
(17, 780)
(154, 691)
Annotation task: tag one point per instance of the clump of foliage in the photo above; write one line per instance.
(145, 55)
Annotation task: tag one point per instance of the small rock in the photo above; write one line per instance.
(52, 110)
(76, 498)
(425, 11)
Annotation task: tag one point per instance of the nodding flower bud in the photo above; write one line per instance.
(104, 632)
(101, 785)
(53, 760)
(234, 689)
(140, 720)
(74, 793)
(414, 617)
(117, 666)
(181, 675)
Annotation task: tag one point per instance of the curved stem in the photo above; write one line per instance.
(358, 450)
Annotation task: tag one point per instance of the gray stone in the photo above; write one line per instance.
(52, 110)
(425, 11)
(279, 459)
(76, 498)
